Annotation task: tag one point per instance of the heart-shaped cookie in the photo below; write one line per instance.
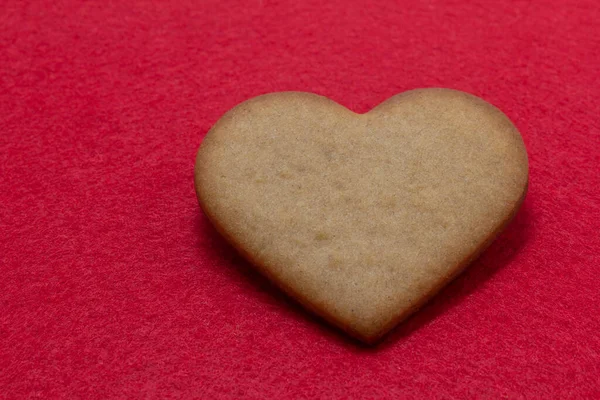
(362, 217)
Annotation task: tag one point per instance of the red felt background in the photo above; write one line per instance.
(114, 285)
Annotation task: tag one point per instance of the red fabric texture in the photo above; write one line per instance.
(114, 285)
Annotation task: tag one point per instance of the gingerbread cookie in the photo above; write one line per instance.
(362, 217)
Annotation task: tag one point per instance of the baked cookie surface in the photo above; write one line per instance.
(362, 217)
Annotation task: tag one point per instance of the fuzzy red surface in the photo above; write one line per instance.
(114, 285)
